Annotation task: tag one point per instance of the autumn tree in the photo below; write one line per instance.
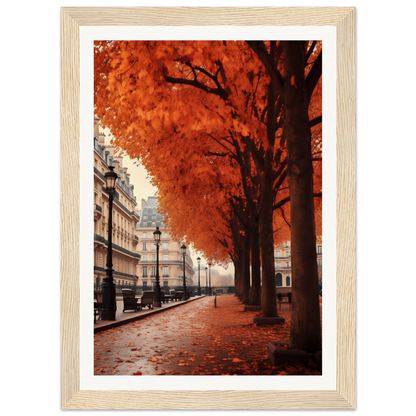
(248, 100)
(212, 107)
(203, 204)
(296, 86)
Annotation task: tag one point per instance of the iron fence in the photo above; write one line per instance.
(191, 290)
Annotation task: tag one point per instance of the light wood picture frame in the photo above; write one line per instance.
(343, 397)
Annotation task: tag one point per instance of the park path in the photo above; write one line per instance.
(196, 338)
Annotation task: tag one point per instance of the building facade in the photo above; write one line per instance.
(125, 217)
(283, 264)
(170, 257)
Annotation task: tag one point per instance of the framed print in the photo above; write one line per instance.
(336, 28)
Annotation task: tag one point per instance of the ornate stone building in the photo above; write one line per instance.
(283, 265)
(124, 239)
(170, 257)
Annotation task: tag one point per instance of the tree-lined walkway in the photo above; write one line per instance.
(240, 124)
(195, 339)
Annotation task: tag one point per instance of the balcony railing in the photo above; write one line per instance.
(104, 241)
(166, 262)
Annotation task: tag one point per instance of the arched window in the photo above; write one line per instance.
(287, 280)
(279, 279)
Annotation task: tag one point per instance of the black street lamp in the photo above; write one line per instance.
(210, 290)
(157, 235)
(109, 289)
(206, 281)
(199, 284)
(183, 251)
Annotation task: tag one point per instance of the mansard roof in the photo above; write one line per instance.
(149, 217)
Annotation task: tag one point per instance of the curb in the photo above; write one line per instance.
(114, 324)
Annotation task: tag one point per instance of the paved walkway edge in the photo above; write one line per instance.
(114, 324)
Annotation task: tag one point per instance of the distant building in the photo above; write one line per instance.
(170, 257)
(283, 263)
(124, 240)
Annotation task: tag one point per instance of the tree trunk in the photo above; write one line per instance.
(305, 329)
(238, 290)
(255, 264)
(235, 278)
(268, 292)
(245, 269)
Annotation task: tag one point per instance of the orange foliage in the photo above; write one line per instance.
(193, 113)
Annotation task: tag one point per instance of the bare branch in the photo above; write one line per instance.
(313, 76)
(309, 53)
(261, 51)
(315, 121)
(283, 216)
(223, 145)
(287, 199)
(195, 83)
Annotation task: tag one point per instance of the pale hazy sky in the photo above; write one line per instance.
(143, 189)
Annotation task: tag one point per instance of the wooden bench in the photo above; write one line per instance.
(146, 300)
(98, 304)
(129, 300)
(177, 296)
(164, 297)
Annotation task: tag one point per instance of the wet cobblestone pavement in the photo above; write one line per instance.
(195, 339)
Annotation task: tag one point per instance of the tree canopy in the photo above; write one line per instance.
(188, 111)
(219, 125)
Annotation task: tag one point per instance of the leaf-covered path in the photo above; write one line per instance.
(195, 339)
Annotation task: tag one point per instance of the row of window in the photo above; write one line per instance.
(287, 264)
(277, 253)
(166, 284)
(165, 271)
(153, 217)
(164, 246)
(164, 258)
(279, 280)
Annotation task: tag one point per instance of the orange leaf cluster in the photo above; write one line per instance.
(202, 119)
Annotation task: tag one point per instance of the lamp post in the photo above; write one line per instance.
(109, 289)
(199, 284)
(210, 290)
(206, 281)
(157, 235)
(183, 251)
